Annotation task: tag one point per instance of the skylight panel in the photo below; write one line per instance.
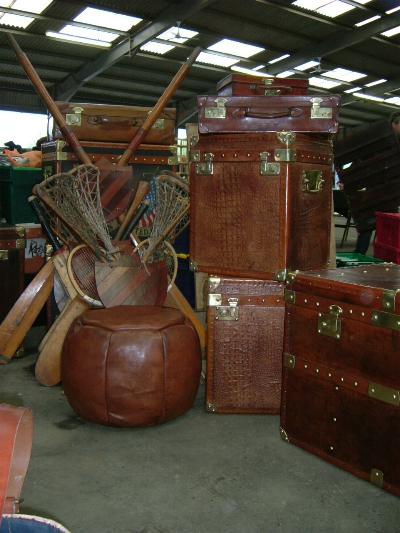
(367, 21)
(236, 48)
(20, 21)
(306, 66)
(377, 82)
(363, 2)
(393, 31)
(334, 9)
(285, 74)
(321, 82)
(353, 90)
(177, 35)
(344, 74)
(280, 58)
(107, 19)
(75, 39)
(87, 33)
(311, 5)
(214, 59)
(369, 97)
(251, 72)
(157, 48)
(394, 100)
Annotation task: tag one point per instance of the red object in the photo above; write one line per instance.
(341, 369)
(242, 85)
(387, 252)
(388, 229)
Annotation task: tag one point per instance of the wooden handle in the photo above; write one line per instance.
(48, 101)
(136, 219)
(159, 107)
(142, 190)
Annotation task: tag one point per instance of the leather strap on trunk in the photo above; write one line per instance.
(16, 429)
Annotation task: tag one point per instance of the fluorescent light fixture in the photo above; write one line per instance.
(306, 66)
(285, 74)
(107, 19)
(344, 74)
(353, 90)
(377, 82)
(21, 21)
(393, 10)
(393, 31)
(18, 21)
(216, 59)
(394, 100)
(157, 48)
(347, 165)
(227, 46)
(258, 67)
(251, 72)
(75, 39)
(177, 35)
(369, 97)
(362, 1)
(321, 82)
(280, 58)
(94, 35)
(367, 21)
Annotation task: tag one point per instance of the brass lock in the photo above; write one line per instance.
(312, 181)
(329, 324)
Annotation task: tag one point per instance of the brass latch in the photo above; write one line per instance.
(74, 118)
(287, 155)
(312, 181)
(386, 320)
(272, 92)
(384, 394)
(216, 112)
(213, 283)
(319, 112)
(3, 255)
(206, 168)
(330, 324)
(266, 168)
(228, 312)
(159, 124)
(289, 360)
(290, 296)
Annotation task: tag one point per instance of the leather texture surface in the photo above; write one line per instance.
(260, 223)
(326, 404)
(243, 85)
(131, 366)
(11, 270)
(114, 123)
(244, 356)
(276, 113)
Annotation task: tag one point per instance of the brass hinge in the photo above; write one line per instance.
(376, 477)
(3, 255)
(193, 265)
(386, 320)
(206, 168)
(312, 181)
(389, 300)
(266, 168)
(228, 312)
(286, 137)
(283, 434)
(329, 324)
(213, 283)
(290, 296)
(216, 112)
(384, 394)
(285, 275)
(319, 112)
(289, 360)
(287, 155)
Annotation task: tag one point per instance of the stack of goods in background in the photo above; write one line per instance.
(261, 191)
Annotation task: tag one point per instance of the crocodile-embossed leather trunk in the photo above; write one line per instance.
(245, 320)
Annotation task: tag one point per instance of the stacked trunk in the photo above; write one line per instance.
(261, 178)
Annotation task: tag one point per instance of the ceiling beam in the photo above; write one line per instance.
(337, 41)
(168, 17)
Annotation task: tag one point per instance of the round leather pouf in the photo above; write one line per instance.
(131, 365)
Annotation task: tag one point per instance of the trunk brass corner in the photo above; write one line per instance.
(312, 181)
(211, 408)
(216, 112)
(281, 275)
(286, 137)
(386, 320)
(3, 255)
(213, 283)
(289, 360)
(20, 231)
(384, 394)
(389, 300)
(193, 266)
(376, 477)
(20, 243)
(290, 296)
(329, 324)
(284, 435)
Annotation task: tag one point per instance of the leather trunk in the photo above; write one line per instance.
(341, 377)
(242, 85)
(245, 320)
(235, 114)
(260, 204)
(12, 245)
(115, 123)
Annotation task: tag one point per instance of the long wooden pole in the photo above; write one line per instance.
(48, 101)
(159, 107)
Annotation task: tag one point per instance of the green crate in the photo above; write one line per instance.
(348, 259)
(16, 185)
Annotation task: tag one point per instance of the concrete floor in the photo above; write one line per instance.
(202, 473)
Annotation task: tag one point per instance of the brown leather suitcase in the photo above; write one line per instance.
(245, 320)
(243, 85)
(234, 114)
(12, 246)
(260, 204)
(341, 378)
(115, 123)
